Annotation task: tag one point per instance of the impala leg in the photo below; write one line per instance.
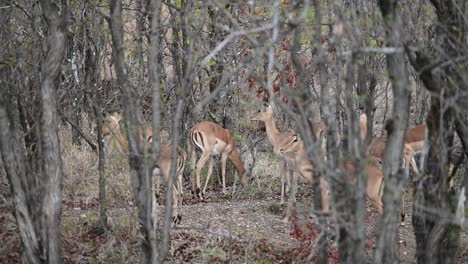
(192, 165)
(289, 179)
(179, 187)
(224, 158)
(210, 171)
(283, 167)
(176, 218)
(413, 165)
(200, 165)
(325, 192)
(450, 170)
(402, 207)
(158, 183)
(291, 200)
(374, 194)
(179, 181)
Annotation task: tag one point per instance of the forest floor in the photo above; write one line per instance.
(219, 230)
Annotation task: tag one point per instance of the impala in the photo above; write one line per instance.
(377, 145)
(377, 149)
(294, 149)
(112, 127)
(275, 137)
(416, 137)
(213, 140)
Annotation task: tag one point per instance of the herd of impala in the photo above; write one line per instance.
(212, 140)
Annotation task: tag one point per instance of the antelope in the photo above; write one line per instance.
(275, 137)
(294, 148)
(376, 147)
(112, 127)
(416, 138)
(213, 140)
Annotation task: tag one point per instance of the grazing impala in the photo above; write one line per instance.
(275, 137)
(112, 127)
(294, 148)
(377, 149)
(377, 145)
(416, 137)
(214, 140)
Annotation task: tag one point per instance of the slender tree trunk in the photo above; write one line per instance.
(102, 164)
(155, 79)
(16, 171)
(140, 168)
(332, 136)
(395, 176)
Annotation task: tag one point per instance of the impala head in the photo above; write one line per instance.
(111, 123)
(289, 144)
(245, 178)
(375, 162)
(264, 114)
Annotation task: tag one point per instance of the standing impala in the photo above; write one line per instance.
(293, 147)
(214, 140)
(112, 127)
(275, 137)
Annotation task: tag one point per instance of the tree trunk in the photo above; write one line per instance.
(142, 181)
(437, 232)
(38, 200)
(52, 175)
(395, 176)
(154, 72)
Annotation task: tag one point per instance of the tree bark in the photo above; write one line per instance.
(154, 72)
(437, 232)
(52, 175)
(37, 191)
(395, 176)
(142, 181)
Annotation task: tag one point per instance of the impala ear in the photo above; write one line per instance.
(380, 164)
(295, 138)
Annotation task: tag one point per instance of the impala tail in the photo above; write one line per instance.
(181, 161)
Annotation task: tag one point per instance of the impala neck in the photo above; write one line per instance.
(272, 132)
(119, 141)
(236, 160)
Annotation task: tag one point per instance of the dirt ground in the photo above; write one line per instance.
(220, 230)
(248, 220)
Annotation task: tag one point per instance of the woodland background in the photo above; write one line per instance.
(67, 196)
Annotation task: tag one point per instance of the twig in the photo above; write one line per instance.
(228, 39)
(81, 133)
